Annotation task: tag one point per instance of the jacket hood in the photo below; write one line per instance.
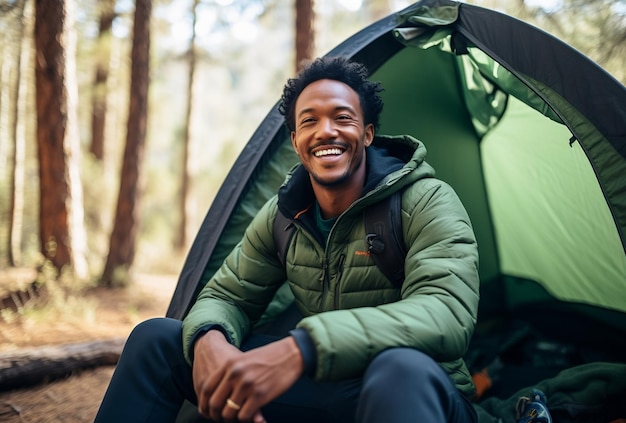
(392, 162)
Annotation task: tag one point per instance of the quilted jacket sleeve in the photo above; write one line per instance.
(439, 298)
(247, 280)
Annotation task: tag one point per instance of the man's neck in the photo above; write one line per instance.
(334, 201)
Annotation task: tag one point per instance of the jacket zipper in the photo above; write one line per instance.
(342, 258)
(325, 279)
(342, 261)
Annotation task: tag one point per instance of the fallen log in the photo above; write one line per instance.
(18, 286)
(27, 367)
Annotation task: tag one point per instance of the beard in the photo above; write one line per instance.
(333, 183)
(337, 181)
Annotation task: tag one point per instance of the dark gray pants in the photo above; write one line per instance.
(152, 379)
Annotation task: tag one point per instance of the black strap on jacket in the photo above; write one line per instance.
(385, 241)
(384, 238)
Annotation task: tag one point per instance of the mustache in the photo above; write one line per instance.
(334, 143)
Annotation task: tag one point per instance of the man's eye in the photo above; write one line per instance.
(344, 117)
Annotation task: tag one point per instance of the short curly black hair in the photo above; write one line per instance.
(339, 69)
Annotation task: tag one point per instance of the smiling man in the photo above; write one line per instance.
(330, 137)
(365, 349)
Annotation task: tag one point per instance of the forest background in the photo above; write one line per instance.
(119, 119)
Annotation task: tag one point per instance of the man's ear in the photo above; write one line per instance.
(369, 134)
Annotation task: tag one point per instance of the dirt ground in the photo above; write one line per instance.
(98, 314)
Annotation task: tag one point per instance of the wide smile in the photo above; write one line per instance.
(331, 151)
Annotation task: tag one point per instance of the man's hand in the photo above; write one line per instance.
(211, 352)
(249, 380)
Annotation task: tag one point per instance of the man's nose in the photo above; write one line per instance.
(327, 128)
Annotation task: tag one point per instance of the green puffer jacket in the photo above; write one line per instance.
(351, 311)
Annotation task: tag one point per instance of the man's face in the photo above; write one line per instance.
(330, 134)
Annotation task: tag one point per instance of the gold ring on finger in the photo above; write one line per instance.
(232, 404)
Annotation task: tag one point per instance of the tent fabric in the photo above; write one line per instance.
(583, 264)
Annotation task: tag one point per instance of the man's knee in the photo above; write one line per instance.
(403, 362)
(155, 334)
(405, 369)
(406, 383)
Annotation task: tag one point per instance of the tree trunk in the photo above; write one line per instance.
(99, 86)
(305, 34)
(62, 232)
(16, 160)
(124, 234)
(181, 240)
(27, 367)
(10, 18)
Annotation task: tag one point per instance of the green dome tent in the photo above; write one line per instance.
(529, 132)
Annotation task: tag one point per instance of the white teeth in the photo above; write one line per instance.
(328, 152)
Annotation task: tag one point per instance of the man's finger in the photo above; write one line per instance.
(258, 418)
(230, 412)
